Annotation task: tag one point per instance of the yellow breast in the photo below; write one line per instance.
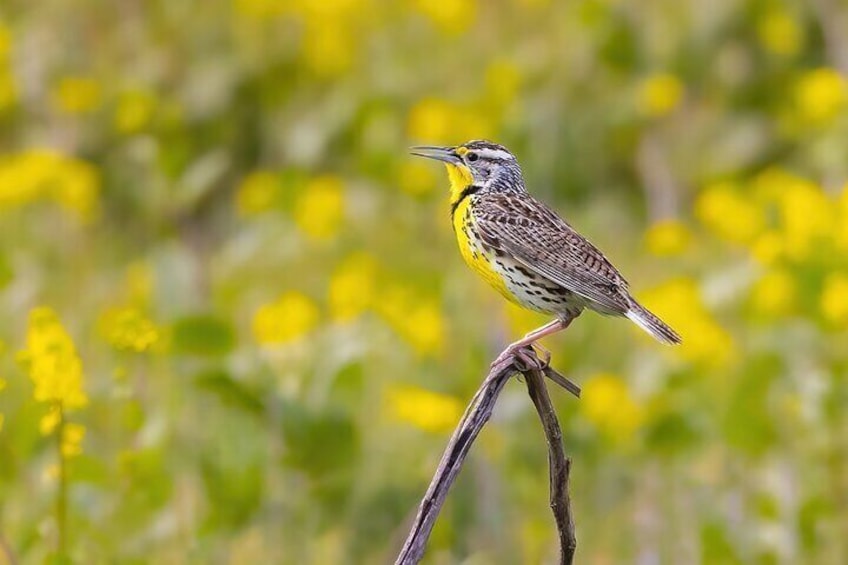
(472, 250)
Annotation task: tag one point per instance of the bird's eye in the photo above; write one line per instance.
(472, 157)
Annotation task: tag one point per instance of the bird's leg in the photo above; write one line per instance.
(530, 339)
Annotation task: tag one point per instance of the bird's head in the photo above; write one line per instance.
(483, 164)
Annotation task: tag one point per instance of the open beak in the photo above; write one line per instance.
(446, 154)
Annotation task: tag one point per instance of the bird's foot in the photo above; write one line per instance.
(524, 357)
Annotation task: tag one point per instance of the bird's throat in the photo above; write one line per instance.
(460, 178)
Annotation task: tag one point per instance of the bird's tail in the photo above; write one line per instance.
(651, 324)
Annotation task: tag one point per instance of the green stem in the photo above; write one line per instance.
(62, 498)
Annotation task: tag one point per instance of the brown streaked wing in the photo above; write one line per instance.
(529, 231)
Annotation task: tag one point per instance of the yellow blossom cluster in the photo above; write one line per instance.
(834, 299)
(352, 286)
(70, 443)
(320, 207)
(452, 17)
(134, 111)
(679, 302)
(128, 329)
(418, 320)
(777, 215)
(76, 95)
(257, 193)
(286, 319)
(820, 95)
(52, 361)
(775, 293)
(780, 32)
(434, 120)
(608, 404)
(8, 88)
(429, 411)
(731, 214)
(660, 94)
(667, 238)
(329, 29)
(45, 174)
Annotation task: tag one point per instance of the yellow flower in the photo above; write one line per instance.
(128, 329)
(289, 317)
(42, 173)
(842, 222)
(730, 215)
(503, 81)
(834, 299)
(424, 409)
(433, 120)
(820, 95)
(608, 404)
(667, 238)
(780, 33)
(77, 95)
(52, 361)
(257, 193)
(351, 289)
(425, 328)
(49, 421)
(419, 321)
(72, 436)
(808, 218)
(454, 16)
(320, 209)
(78, 188)
(660, 94)
(134, 111)
(328, 48)
(775, 293)
(679, 303)
(768, 247)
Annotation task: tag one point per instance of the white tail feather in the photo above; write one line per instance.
(646, 320)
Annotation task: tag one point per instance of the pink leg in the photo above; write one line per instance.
(530, 339)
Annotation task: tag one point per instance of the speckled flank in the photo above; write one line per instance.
(514, 281)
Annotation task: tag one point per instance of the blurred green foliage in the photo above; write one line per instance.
(234, 325)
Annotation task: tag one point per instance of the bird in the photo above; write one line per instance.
(526, 251)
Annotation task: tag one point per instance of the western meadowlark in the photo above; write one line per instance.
(525, 250)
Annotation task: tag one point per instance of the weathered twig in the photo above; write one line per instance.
(476, 415)
(559, 464)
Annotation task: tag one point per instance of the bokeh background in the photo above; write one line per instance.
(235, 327)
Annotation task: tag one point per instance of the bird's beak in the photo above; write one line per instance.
(446, 154)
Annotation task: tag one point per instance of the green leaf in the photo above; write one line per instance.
(230, 392)
(318, 443)
(203, 335)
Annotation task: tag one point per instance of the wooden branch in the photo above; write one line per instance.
(476, 415)
(559, 464)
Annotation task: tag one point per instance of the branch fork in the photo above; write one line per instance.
(475, 417)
